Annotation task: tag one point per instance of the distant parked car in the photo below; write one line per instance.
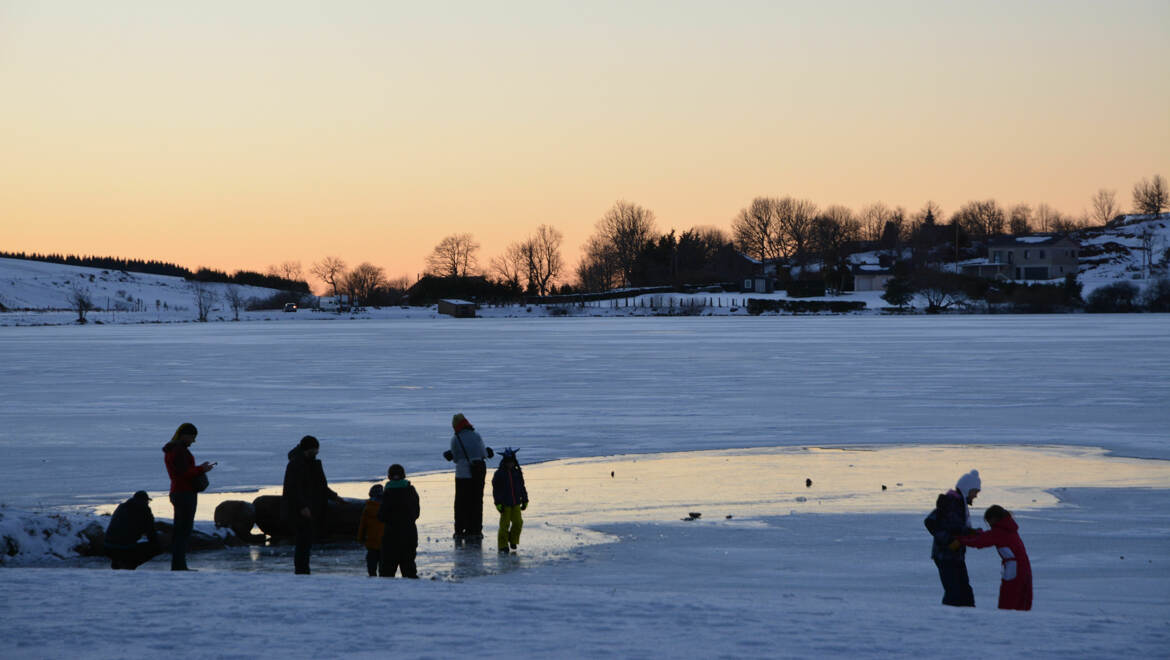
(290, 307)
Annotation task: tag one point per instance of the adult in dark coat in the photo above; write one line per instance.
(131, 521)
(951, 519)
(305, 497)
(182, 470)
(398, 513)
(470, 457)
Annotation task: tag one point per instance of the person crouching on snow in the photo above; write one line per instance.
(1015, 588)
(951, 519)
(370, 530)
(398, 512)
(511, 498)
(132, 520)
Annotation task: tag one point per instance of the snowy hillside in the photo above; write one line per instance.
(1119, 251)
(38, 285)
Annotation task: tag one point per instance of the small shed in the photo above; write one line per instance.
(460, 309)
(868, 277)
(758, 284)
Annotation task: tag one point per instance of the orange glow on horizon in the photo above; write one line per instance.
(236, 137)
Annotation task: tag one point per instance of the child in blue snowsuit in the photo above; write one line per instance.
(511, 498)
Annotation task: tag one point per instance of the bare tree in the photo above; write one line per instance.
(1105, 206)
(1150, 196)
(454, 256)
(626, 229)
(363, 281)
(873, 221)
(289, 270)
(235, 299)
(512, 265)
(80, 301)
(796, 227)
(205, 298)
(981, 220)
(330, 271)
(1045, 217)
(544, 258)
(598, 269)
(1066, 224)
(756, 228)
(1020, 219)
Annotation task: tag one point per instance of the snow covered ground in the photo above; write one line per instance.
(607, 568)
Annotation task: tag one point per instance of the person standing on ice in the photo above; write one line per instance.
(131, 521)
(305, 498)
(370, 530)
(398, 513)
(951, 519)
(183, 471)
(1015, 587)
(470, 456)
(511, 498)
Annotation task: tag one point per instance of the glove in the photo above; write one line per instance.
(490, 453)
(524, 506)
(954, 545)
(448, 455)
(500, 508)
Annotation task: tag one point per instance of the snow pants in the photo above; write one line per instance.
(956, 584)
(511, 522)
(469, 506)
(399, 553)
(184, 522)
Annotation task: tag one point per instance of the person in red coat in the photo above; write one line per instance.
(1015, 591)
(182, 469)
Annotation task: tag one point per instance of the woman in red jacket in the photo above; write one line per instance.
(1015, 591)
(182, 470)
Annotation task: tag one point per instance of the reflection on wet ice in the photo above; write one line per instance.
(725, 486)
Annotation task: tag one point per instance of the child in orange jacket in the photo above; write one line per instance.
(370, 530)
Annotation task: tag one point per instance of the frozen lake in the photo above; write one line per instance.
(80, 405)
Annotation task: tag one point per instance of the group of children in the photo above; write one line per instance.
(387, 526)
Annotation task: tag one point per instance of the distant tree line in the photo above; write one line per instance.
(244, 277)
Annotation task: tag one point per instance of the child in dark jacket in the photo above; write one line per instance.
(370, 530)
(1015, 591)
(398, 512)
(511, 498)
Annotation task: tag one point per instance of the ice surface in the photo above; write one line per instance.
(84, 413)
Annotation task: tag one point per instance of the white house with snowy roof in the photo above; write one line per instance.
(1032, 257)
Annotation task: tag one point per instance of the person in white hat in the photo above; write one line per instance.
(951, 519)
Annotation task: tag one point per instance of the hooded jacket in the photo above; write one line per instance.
(508, 486)
(370, 529)
(398, 512)
(949, 520)
(1015, 590)
(304, 486)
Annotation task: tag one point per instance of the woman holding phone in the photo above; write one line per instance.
(184, 495)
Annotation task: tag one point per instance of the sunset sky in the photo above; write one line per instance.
(236, 135)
